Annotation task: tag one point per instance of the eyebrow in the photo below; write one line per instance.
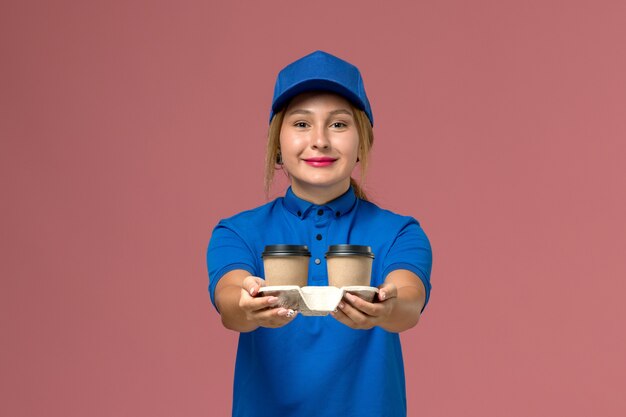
(332, 113)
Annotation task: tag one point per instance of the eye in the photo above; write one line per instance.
(301, 124)
(339, 125)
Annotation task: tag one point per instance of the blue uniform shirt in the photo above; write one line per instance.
(316, 366)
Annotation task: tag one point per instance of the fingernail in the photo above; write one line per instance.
(251, 291)
(282, 312)
(341, 305)
(350, 297)
(272, 300)
(382, 295)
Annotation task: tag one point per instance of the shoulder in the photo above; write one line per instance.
(252, 216)
(244, 229)
(373, 212)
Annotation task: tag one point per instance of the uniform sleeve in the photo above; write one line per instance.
(411, 251)
(227, 251)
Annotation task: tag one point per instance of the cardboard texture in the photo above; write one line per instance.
(315, 301)
(346, 271)
(286, 270)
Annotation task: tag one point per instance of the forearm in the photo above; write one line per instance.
(227, 296)
(406, 310)
(233, 317)
(409, 302)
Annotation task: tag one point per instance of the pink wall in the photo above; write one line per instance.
(128, 128)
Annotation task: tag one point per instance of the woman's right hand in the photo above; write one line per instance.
(262, 310)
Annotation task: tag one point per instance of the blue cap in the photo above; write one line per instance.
(324, 72)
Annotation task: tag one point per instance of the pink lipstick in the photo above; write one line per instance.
(319, 162)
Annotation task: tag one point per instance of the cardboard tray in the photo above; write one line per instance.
(315, 301)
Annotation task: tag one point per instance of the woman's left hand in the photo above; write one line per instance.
(357, 313)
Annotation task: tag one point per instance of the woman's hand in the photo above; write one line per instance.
(357, 313)
(401, 299)
(262, 310)
(240, 308)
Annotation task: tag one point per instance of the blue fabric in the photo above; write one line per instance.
(320, 71)
(316, 366)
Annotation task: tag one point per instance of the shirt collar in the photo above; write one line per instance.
(340, 206)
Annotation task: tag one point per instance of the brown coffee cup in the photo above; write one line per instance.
(349, 265)
(286, 265)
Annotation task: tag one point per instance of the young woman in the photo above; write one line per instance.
(348, 363)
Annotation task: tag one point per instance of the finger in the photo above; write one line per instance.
(363, 306)
(357, 318)
(286, 313)
(249, 303)
(341, 317)
(387, 290)
(276, 317)
(252, 284)
(341, 314)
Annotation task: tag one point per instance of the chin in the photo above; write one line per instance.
(322, 183)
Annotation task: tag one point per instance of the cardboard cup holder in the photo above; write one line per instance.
(315, 301)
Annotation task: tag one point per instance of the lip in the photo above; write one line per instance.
(322, 161)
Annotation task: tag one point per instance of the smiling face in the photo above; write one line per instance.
(319, 144)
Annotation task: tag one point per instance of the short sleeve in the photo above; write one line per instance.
(411, 250)
(227, 251)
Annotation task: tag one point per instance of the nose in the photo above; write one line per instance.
(320, 139)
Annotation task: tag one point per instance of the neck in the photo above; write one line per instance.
(319, 195)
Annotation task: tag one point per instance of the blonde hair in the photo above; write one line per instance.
(366, 141)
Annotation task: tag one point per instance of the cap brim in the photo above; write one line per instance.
(315, 85)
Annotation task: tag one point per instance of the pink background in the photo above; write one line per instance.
(129, 128)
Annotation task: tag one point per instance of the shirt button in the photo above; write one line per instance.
(318, 237)
(317, 261)
(299, 213)
(320, 212)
